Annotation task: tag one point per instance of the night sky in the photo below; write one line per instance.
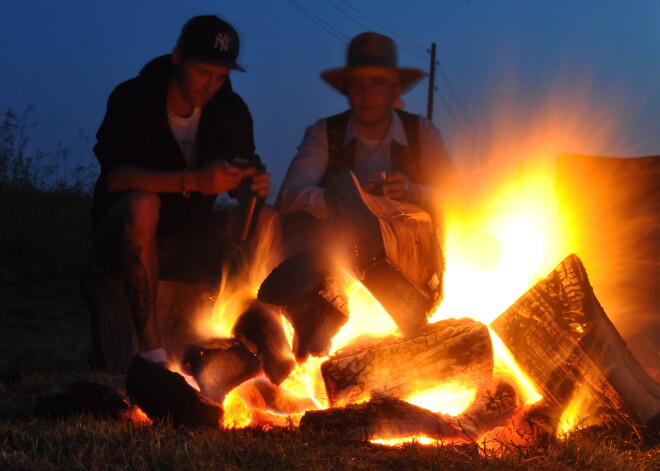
(65, 57)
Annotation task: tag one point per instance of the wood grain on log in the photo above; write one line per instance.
(457, 350)
(561, 337)
(381, 417)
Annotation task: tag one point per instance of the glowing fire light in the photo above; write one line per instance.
(493, 255)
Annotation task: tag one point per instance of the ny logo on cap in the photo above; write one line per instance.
(221, 42)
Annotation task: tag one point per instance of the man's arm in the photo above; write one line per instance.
(213, 178)
(300, 190)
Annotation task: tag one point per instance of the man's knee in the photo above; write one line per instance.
(138, 212)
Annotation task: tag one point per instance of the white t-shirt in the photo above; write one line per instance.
(185, 132)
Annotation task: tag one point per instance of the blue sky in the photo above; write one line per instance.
(66, 56)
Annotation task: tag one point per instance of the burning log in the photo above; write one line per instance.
(455, 349)
(494, 404)
(562, 338)
(309, 289)
(260, 330)
(220, 366)
(163, 394)
(614, 224)
(529, 430)
(381, 417)
(263, 395)
(396, 250)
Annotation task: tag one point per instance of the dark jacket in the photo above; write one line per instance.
(136, 131)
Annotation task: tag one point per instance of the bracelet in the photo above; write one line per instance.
(184, 192)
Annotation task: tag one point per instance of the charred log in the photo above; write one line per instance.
(261, 394)
(163, 395)
(561, 337)
(72, 394)
(310, 290)
(260, 330)
(220, 366)
(381, 417)
(494, 404)
(455, 349)
(395, 250)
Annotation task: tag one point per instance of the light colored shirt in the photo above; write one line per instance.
(300, 190)
(184, 130)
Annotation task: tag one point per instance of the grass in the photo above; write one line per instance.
(44, 332)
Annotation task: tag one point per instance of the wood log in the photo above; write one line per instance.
(309, 288)
(614, 226)
(381, 417)
(494, 404)
(529, 430)
(395, 250)
(561, 337)
(457, 350)
(260, 330)
(259, 393)
(219, 366)
(71, 394)
(163, 395)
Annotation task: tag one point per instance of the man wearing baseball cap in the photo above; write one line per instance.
(393, 153)
(166, 148)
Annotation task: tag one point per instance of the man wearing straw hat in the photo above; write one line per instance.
(392, 153)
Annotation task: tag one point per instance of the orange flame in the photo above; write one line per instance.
(493, 253)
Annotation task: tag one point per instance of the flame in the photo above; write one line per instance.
(238, 290)
(511, 235)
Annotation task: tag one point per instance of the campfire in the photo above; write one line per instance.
(315, 343)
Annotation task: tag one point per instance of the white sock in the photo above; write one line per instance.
(157, 355)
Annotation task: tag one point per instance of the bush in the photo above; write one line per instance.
(44, 221)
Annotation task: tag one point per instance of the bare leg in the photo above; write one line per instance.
(137, 214)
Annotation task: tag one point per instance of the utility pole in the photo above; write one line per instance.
(429, 108)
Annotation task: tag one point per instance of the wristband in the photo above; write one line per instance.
(184, 192)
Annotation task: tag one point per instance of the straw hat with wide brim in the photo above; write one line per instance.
(372, 50)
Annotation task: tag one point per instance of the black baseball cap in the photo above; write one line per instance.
(210, 40)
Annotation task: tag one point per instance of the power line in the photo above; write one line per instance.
(323, 24)
(383, 27)
(458, 103)
(458, 123)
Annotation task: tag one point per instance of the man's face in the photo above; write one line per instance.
(198, 82)
(371, 98)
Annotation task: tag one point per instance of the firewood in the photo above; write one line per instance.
(454, 349)
(614, 224)
(72, 394)
(163, 394)
(310, 290)
(561, 337)
(260, 330)
(394, 248)
(259, 393)
(494, 404)
(529, 430)
(381, 417)
(219, 366)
